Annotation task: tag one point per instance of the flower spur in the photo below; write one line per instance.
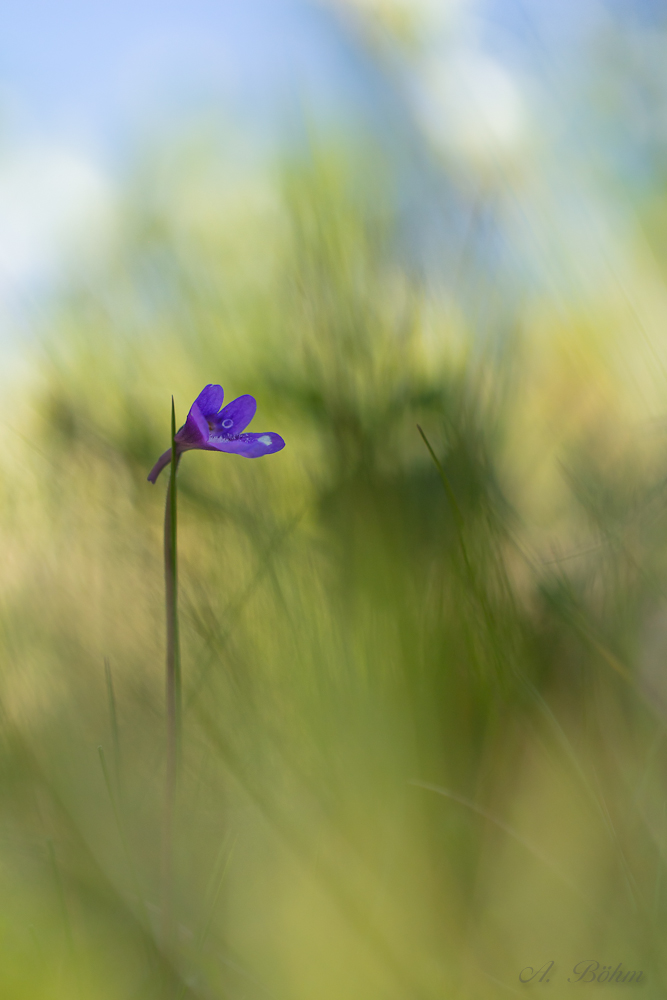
(209, 428)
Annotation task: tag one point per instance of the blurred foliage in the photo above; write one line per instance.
(424, 708)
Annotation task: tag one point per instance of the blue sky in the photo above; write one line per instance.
(99, 72)
(103, 73)
(84, 83)
(94, 70)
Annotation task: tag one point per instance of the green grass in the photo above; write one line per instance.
(423, 741)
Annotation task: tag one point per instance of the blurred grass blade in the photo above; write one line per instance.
(113, 721)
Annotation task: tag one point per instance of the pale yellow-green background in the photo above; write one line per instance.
(424, 721)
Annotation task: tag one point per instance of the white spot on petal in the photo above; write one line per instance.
(265, 439)
(227, 423)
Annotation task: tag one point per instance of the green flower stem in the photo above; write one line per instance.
(171, 590)
(173, 688)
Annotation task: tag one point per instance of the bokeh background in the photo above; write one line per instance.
(424, 695)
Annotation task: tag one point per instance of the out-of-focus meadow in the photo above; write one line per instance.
(424, 708)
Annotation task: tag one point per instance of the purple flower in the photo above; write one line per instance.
(211, 429)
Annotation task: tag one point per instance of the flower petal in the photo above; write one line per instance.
(163, 460)
(250, 445)
(194, 432)
(210, 400)
(236, 416)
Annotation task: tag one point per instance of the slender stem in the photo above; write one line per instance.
(456, 510)
(171, 592)
(173, 688)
